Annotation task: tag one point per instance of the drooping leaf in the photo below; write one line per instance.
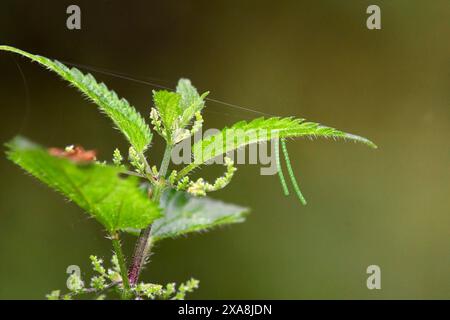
(258, 130)
(124, 116)
(116, 202)
(185, 213)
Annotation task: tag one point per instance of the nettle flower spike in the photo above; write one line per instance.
(156, 122)
(183, 184)
(155, 171)
(173, 177)
(198, 188)
(149, 290)
(97, 265)
(201, 187)
(98, 283)
(198, 123)
(117, 157)
(136, 161)
(222, 182)
(75, 284)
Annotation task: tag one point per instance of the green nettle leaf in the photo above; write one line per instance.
(168, 105)
(125, 116)
(191, 102)
(244, 133)
(185, 213)
(116, 202)
(188, 93)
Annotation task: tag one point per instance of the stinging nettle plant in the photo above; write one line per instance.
(143, 199)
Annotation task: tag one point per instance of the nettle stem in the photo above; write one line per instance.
(143, 244)
(141, 252)
(122, 264)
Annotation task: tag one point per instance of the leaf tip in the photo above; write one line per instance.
(361, 139)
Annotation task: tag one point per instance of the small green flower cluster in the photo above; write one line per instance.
(110, 279)
(117, 157)
(201, 187)
(169, 292)
(136, 160)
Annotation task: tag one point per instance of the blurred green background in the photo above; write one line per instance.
(313, 59)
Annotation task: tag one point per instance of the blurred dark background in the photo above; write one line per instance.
(312, 59)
